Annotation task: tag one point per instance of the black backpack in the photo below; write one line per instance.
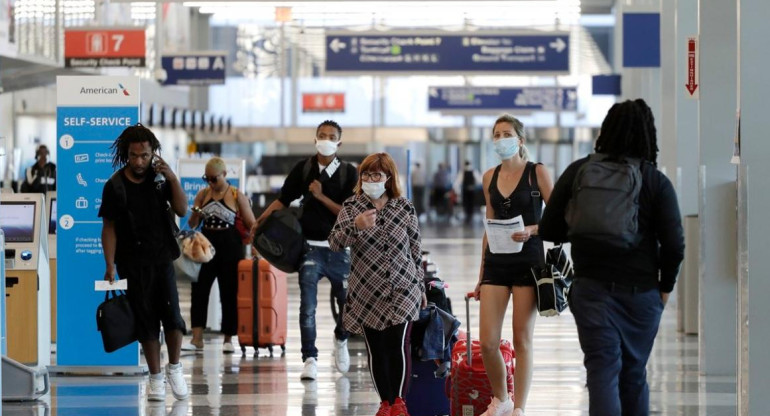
(604, 208)
(279, 239)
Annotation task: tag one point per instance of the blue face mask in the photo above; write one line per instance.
(507, 148)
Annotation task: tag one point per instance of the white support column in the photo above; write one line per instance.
(717, 188)
(667, 117)
(686, 111)
(754, 361)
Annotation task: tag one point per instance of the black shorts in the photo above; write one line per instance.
(154, 298)
(507, 275)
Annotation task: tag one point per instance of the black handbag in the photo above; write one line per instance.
(554, 275)
(552, 282)
(115, 320)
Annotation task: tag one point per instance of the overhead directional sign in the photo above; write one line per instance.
(194, 68)
(447, 53)
(92, 47)
(498, 99)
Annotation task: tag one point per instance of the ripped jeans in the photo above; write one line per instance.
(321, 262)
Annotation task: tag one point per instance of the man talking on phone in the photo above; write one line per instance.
(139, 202)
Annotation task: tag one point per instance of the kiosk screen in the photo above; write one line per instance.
(52, 218)
(17, 219)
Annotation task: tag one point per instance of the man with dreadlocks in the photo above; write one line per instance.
(138, 208)
(619, 293)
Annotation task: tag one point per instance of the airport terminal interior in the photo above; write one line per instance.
(423, 81)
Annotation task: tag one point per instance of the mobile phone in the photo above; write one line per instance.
(159, 178)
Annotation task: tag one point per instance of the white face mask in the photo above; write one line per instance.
(326, 147)
(373, 189)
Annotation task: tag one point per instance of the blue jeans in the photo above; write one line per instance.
(616, 327)
(321, 262)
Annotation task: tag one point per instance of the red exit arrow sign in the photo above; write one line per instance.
(692, 67)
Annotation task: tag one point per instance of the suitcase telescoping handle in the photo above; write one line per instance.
(468, 297)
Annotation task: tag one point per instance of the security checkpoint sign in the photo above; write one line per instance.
(91, 113)
(194, 68)
(495, 99)
(104, 47)
(465, 53)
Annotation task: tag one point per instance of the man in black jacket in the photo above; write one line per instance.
(40, 177)
(617, 299)
(324, 182)
(138, 208)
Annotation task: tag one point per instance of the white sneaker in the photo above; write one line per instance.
(175, 379)
(310, 372)
(518, 412)
(191, 347)
(341, 356)
(498, 408)
(156, 390)
(228, 348)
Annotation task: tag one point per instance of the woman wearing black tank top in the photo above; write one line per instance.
(217, 206)
(507, 191)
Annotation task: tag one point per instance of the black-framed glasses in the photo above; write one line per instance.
(373, 176)
(210, 179)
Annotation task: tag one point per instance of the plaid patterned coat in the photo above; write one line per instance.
(385, 285)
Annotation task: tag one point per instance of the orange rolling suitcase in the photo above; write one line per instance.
(262, 299)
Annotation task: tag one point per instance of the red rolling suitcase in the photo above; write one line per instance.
(262, 299)
(470, 391)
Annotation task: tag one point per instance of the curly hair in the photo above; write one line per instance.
(133, 134)
(628, 130)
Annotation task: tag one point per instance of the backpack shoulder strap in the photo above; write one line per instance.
(345, 173)
(306, 169)
(537, 198)
(119, 187)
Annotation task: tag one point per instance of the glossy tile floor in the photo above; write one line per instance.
(262, 385)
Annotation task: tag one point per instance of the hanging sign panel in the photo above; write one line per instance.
(323, 103)
(194, 68)
(503, 99)
(447, 53)
(104, 47)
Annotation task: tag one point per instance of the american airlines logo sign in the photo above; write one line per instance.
(104, 91)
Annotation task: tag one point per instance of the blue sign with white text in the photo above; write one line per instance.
(85, 165)
(461, 53)
(92, 111)
(194, 69)
(496, 99)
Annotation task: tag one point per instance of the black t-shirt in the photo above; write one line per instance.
(317, 221)
(148, 242)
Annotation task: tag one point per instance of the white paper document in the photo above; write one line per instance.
(104, 286)
(499, 234)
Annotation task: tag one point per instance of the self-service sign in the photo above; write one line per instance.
(92, 111)
(106, 47)
(194, 68)
(323, 103)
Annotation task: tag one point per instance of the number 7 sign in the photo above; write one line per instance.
(102, 47)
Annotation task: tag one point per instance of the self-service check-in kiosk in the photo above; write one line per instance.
(27, 278)
(51, 202)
